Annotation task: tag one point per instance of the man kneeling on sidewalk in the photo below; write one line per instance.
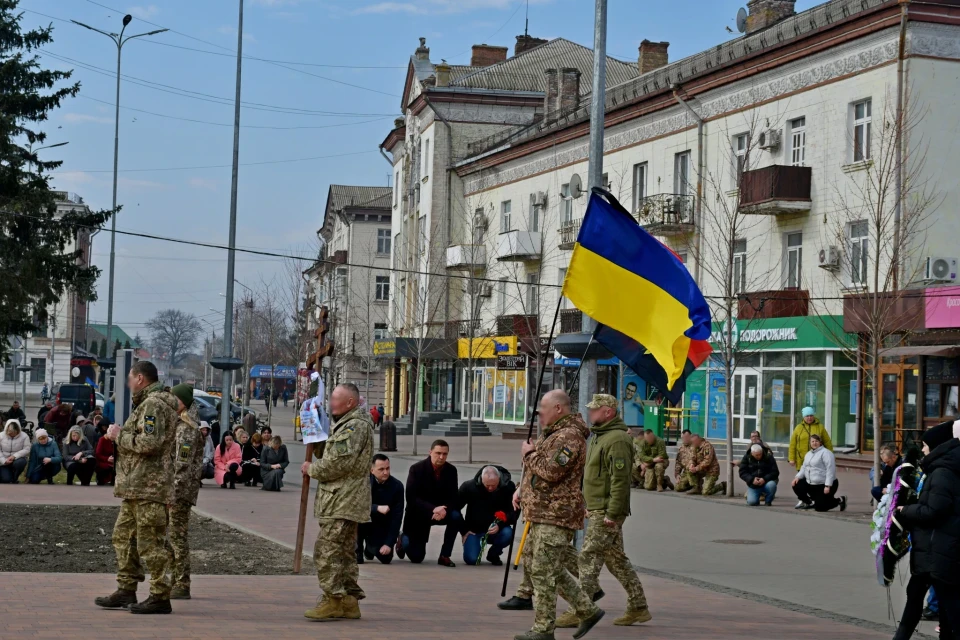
(703, 474)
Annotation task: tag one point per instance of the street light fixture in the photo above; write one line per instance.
(119, 40)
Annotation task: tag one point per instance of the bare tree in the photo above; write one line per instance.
(876, 242)
(175, 333)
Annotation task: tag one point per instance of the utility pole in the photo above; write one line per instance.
(25, 370)
(588, 374)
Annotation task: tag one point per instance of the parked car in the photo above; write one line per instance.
(100, 399)
(82, 396)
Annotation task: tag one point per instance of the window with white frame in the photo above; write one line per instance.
(418, 161)
(396, 189)
(533, 293)
(859, 252)
(862, 118)
(380, 331)
(426, 158)
(502, 297)
(793, 262)
(505, 217)
(798, 142)
(383, 241)
(561, 276)
(681, 173)
(10, 373)
(566, 205)
(639, 185)
(479, 226)
(533, 222)
(740, 266)
(341, 283)
(38, 369)
(396, 255)
(741, 145)
(382, 292)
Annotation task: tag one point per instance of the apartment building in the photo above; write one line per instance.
(787, 130)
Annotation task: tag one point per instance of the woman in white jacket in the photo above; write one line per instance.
(816, 483)
(14, 452)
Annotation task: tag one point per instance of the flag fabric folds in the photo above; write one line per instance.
(625, 279)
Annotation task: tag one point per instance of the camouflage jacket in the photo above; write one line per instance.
(188, 463)
(686, 453)
(343, 470)
(550, 490)
(647, 452)
(145, 447)
(706, 461)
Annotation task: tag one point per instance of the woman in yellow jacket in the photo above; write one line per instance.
(800, 440)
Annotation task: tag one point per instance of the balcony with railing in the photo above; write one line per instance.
(667, 214)
(522, 326)
(568, 233)
(518, 246)
(571, 321)
(466, 256)
(462, 329)
(776, 190)
(779, 303)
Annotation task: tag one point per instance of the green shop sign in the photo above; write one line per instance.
(802, 332)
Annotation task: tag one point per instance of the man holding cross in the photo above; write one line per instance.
(342, 503)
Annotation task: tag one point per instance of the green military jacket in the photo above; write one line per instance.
(344, 470)
(647, 452)
(609, 468)
(145, 447)
(188, 459)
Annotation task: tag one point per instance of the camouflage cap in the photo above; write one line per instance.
(602, 400)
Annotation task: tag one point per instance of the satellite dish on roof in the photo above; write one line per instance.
(576, 186)
(742, 20)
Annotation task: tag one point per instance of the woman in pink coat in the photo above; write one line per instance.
(227, 460)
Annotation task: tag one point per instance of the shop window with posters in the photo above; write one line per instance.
(505, 395)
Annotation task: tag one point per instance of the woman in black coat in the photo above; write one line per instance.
(934, 525)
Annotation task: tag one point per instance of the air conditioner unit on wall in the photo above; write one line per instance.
(829, 258)
(769, 139)
(486, 290)
(940, 269)
(540, 200)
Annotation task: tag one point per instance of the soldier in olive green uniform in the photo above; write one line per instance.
(553, 503)
(145, 483)
(188, 452)
(606, 489)
(651, 460)
(343, 501)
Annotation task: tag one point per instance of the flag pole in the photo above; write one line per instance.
(576, 375)
(533, 416)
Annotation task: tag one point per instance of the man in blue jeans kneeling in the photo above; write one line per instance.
(488, 494)
(759, 470)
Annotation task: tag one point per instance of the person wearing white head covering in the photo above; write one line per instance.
(45, 458)
(14, 451)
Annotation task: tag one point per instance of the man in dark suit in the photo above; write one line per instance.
(376, 538)
(432, 499)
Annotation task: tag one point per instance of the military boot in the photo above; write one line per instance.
(180, 593)
(568, 620)
(119, 599)
(633, 617)
(351, 608)
(516, 603)
(588, 623)
(534, 635)
(326, 609)
(153, 604)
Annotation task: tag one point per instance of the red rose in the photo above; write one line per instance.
(500, 516)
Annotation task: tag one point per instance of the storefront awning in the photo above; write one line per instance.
(945, 350)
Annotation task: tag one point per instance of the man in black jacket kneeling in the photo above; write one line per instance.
(759, 470)
(375, 539)
(432, 500)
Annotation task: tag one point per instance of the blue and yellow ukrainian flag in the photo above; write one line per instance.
(624, 278)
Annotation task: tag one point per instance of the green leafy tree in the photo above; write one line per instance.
(36, 270)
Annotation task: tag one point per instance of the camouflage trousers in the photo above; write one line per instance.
(549, 548)
(603, 545)
(651, 478)
(140, 540)
(335, 557)
(699, 483)
(178, 527)
(568, 560)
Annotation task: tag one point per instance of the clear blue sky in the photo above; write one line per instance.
(280, 205)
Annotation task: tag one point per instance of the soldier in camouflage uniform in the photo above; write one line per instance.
(651, 460)
(343, 501)
(606, 489)
(523, 601)
(188, 452)
(145, 483)
(686, 454)
(553, 503)
(703, 474)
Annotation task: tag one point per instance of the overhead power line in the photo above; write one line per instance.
(215, 166)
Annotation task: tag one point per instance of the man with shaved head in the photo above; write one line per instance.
(553, 503)
(342, 503)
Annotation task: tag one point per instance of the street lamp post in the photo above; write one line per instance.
(119, 40)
